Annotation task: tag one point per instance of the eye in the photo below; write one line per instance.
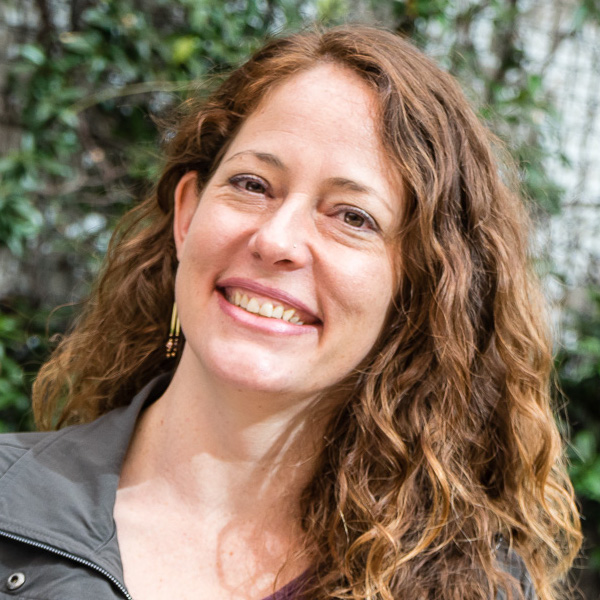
(249, 183)
(358, 219)
(354, 219)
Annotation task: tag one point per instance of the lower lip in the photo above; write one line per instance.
(264, 324)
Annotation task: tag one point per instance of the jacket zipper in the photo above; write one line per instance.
(72, 557)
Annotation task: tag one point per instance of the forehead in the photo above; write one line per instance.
(322, 122)
(329, 97)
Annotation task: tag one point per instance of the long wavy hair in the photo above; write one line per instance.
(447, 436)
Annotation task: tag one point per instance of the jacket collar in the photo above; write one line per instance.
(62, 490)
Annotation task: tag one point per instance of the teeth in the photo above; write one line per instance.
(253, 306)
(266, 310)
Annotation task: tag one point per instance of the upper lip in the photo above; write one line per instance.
(264, 290)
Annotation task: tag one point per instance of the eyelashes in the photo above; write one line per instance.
(356, 218)
(250, 183)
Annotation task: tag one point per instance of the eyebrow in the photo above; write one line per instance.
(354, 186)
(338, 182)
(265, 157)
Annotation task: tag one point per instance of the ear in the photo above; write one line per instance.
(186, 201)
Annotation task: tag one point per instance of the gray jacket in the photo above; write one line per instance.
(57, 492)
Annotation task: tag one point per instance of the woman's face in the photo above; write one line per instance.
(286, 267)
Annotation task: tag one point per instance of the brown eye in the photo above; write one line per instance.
(354, 219)
(254, 186)
(249, 183)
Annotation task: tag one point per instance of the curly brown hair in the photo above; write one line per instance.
(445, 437)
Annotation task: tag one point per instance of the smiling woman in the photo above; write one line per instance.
(286, 221)
(359, 406)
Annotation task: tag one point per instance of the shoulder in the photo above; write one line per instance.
(510, 562)
(105, 439)
(14, 445)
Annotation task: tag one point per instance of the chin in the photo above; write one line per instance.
(255, 372)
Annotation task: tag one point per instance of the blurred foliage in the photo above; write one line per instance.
(578, 365)
(24, 345)
(14, 401)
(87, 78)
(495, 72)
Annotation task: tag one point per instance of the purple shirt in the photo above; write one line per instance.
(290, 590)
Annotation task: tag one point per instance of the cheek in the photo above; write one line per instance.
(214, 234)
(365, 291)
(365, 295)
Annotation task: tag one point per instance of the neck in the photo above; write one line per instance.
(225, 450)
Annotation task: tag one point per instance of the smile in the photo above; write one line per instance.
(264, 301)
(264, 308)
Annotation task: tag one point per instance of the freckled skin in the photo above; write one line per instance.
(291, 226)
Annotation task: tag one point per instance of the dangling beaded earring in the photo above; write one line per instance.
(173, 341)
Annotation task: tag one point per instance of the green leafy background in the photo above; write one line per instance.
(83, 81)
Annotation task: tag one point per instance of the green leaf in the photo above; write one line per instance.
(7, 163)
(80, 43)
(580, 16)
(329, 11)
(183, 48)
(27, 142)
(33, 54)
(584, 445)
(69, 118)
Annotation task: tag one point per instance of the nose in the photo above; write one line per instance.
(282, 238)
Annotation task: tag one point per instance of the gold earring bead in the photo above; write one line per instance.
(172, 344)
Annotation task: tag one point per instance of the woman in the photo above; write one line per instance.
(361, 406)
